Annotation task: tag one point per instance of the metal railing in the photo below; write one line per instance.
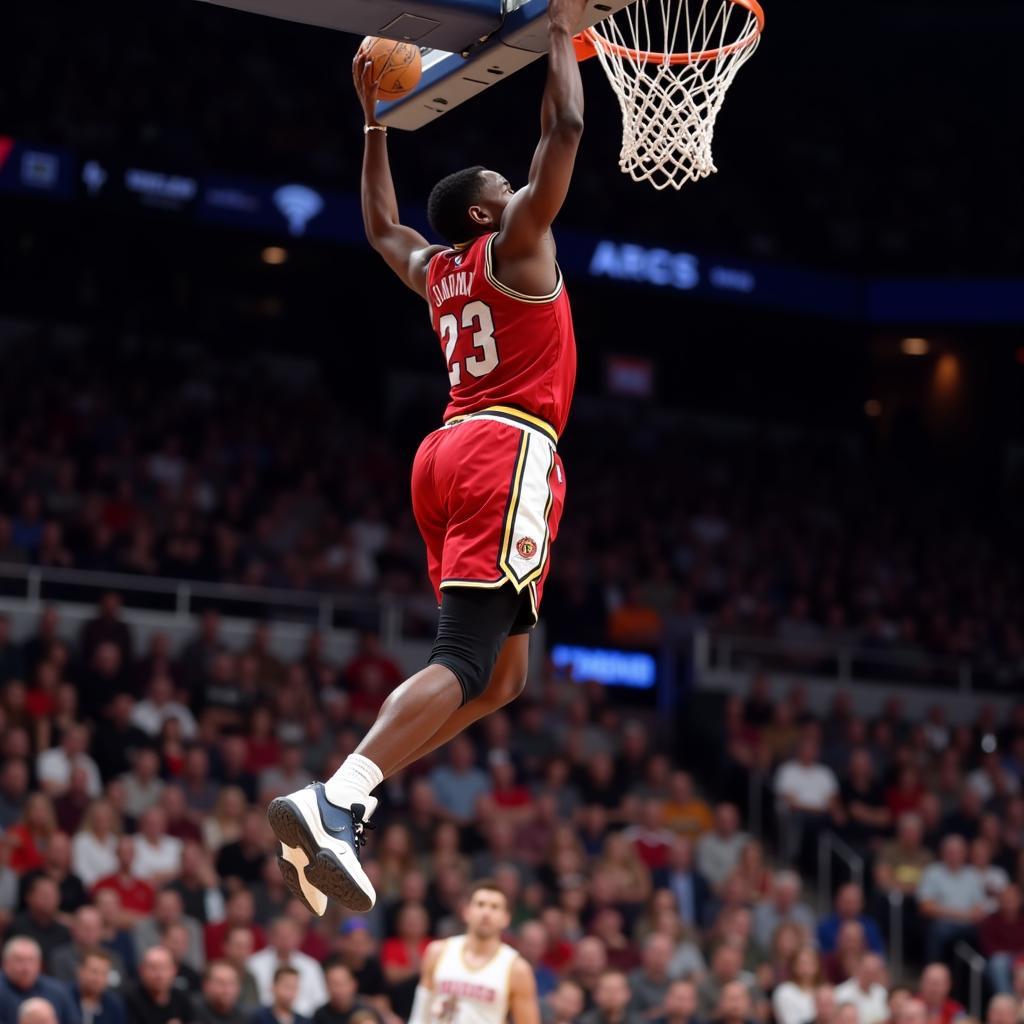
(976, 965)
(184, 599)
(830, 845)
(844, 660)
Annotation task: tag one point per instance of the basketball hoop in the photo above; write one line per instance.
(670, 75)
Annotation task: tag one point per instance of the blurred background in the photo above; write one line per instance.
(784, 629)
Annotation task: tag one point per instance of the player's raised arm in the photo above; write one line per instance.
(404, 250)
(533, 208)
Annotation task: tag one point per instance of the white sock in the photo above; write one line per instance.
(353, 782)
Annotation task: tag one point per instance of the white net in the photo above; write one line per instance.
(670, 63)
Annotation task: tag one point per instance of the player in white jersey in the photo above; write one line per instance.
(476, 978)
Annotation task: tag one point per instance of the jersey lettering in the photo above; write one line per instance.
(451, 285)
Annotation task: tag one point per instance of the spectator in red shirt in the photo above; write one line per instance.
(905, 795)
(41, 699)
(180, 823)
(651, 841)
(936, 983)
(240, 912)
(137, 897)
(509, 798)
(264, 746)
(609, 927)
(1001, 937)
(560, 950)
(402, 954)
(371, 676)
(121, 511)
(30, 837)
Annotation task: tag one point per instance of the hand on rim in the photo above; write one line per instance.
(566, 14)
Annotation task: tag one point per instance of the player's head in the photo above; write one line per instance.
(486, 911)
(468, 203)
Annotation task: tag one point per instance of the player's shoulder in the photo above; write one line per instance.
(434, 951)
(520, 972)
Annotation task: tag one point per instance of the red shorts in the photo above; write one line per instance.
(488, 497)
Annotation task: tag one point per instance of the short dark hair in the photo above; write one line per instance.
(285, 972)
(37, 880)
(449, 203)
(486, 885)
(98, 953)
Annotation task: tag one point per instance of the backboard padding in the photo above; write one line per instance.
(441, 24)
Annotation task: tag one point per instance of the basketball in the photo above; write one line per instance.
(396, 65)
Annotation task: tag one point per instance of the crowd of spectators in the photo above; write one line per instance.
(139, 883)
(239, 474)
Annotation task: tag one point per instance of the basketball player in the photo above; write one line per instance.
(488, 486)
(476, 978)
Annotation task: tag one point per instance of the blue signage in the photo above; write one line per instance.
(36, 170)
(634, 669)
(300, 211)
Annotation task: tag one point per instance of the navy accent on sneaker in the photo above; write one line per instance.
(347, 826)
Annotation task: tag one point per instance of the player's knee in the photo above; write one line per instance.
(507, 684)
(470, 671)
(471, 632)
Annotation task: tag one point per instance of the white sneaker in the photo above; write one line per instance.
(330, 838)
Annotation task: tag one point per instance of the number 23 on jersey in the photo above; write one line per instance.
(475, 317)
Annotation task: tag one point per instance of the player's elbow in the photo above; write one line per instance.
(568, 124)
(375, 235)
(381, 240)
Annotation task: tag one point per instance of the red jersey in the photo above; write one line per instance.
(502, 348)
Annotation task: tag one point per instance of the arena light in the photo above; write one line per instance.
(274, 255)
(915, 346)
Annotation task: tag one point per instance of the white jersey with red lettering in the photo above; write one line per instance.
(471, 995)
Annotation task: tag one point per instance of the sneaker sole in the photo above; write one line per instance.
(293, 881)
(325, 869)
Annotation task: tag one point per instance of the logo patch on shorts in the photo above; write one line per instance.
(526, 546)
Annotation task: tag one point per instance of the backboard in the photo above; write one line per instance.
(468, 45)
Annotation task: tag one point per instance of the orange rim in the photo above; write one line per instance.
(588, 42)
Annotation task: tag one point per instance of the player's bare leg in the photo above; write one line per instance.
(506, 683)
(423, 703)
(321, 826)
